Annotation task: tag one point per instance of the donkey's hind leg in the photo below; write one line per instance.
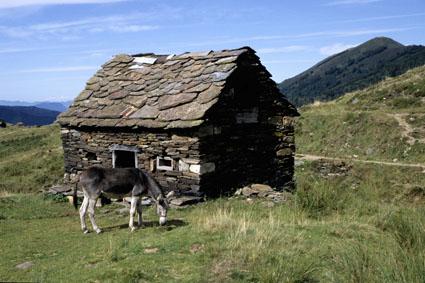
(92, 204)
(83, 210)
(133, 205)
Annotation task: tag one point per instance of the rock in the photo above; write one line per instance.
(263, 194)
(284, 152)
(25, 265)
(146, 112)
(183, 166)
(186, 200)
(150, 250)
(59, 189)
(261, 188)
(328, 168)
(299, 163)
(124, 210)
(195, 168)
(202, 168)
(247, 191)
(196, 248)
(169, 101)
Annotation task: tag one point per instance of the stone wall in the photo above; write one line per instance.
(251, 134)
(88, 147)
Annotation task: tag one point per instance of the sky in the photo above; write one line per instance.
(50, 48)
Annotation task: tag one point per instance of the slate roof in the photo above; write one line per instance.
(153, 91)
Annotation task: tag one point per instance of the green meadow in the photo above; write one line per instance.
(364, 226)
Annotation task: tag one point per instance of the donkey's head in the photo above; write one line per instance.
(161, 209)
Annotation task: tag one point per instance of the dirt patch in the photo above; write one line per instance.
(415, 194)
(331, 168)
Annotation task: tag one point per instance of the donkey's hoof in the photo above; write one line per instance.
(98, 231)
(85, 231)
(132, 229)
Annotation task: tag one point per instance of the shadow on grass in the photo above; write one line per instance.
(170, 225)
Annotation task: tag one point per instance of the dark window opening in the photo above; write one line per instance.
(124, 159)
(165, 162)
(91, 156)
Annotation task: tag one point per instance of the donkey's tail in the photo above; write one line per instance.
(74, 196)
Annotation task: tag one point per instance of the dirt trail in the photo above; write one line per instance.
(311, 157)
(407, 129)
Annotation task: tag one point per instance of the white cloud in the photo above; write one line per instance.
(327, 34)
(285, 49)
(59, 69)
(351, 2)
(23, 3)
(335, 48)
(68, 29)
(358, 20)
(131, 28)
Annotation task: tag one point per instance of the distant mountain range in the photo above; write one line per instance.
(54, 106)
(28, 115)
(352, 69)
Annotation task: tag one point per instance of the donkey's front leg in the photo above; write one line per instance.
(139, 212)
(92, 204)
(133, 205)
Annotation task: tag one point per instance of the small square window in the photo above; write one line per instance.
(124, 159)
(164, 163)
(124, 156)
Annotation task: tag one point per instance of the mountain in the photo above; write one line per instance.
(352, 69)
(49, 105)
(54, 106)
(29, 115)
(385, 121)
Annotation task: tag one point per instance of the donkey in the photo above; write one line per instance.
(117, 183)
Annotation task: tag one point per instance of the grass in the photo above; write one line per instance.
(364, 227)
(31, 158)
(362, 123)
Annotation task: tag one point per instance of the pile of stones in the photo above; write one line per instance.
(175, 199)
(263, 191)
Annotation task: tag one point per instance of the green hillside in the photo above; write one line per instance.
(28, 115)
(352, 69)
(31, 158)
(385, 121)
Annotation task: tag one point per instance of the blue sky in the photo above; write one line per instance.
(49, 48)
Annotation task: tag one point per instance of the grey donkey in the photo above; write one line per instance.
(118, 183)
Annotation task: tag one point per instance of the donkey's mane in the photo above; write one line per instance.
(154, 189)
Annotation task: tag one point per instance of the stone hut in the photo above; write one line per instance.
(204, 122)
